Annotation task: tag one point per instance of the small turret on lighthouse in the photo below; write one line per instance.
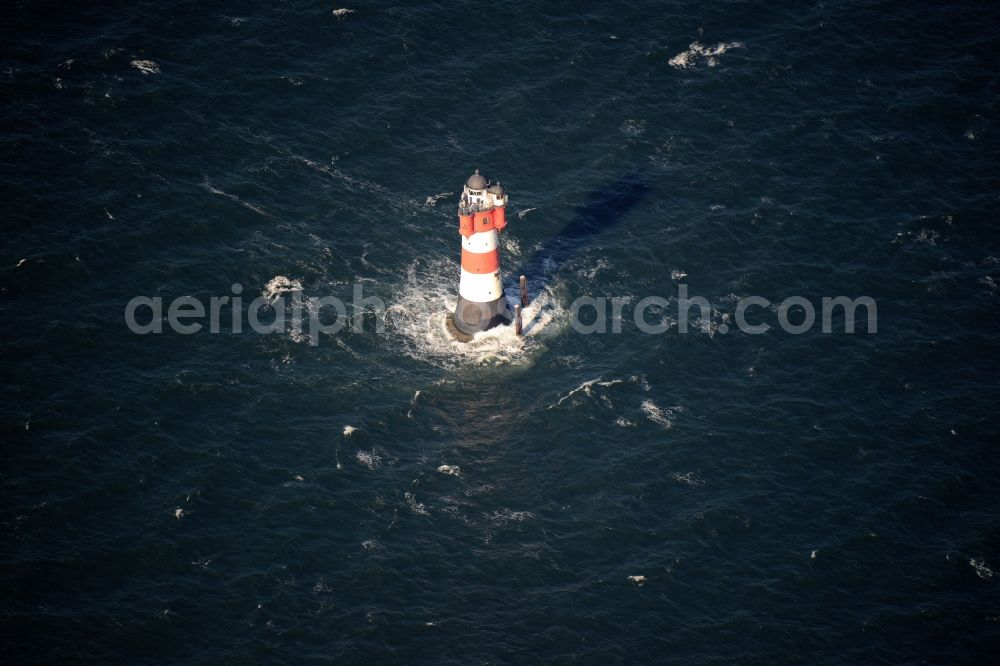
(481, 301)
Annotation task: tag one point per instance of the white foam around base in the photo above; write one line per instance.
(418, 318)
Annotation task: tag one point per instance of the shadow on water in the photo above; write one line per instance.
(603, 209)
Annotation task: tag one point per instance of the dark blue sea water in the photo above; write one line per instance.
(244, 498)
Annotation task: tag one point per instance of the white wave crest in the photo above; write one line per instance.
(690, 478)
(232, 197)
(633, 126)
(504, 516)
(433, 199)
(587, 388)
(415, 506)
(981, 569)
(661, 417)
(413, 403)
(146, 66)
(698, 53)
(370, 459)
(280, 285)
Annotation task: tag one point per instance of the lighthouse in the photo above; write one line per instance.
(481, 301)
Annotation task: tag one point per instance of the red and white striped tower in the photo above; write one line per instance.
(481, 301)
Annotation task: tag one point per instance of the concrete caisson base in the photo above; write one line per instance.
(471, 317)
(449, 324)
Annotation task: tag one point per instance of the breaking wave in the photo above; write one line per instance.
(280, 285)
(661, 417)
(146, 66)
(699, 54)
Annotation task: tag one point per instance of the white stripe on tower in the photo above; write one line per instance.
(483, 241)
(480, 288)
